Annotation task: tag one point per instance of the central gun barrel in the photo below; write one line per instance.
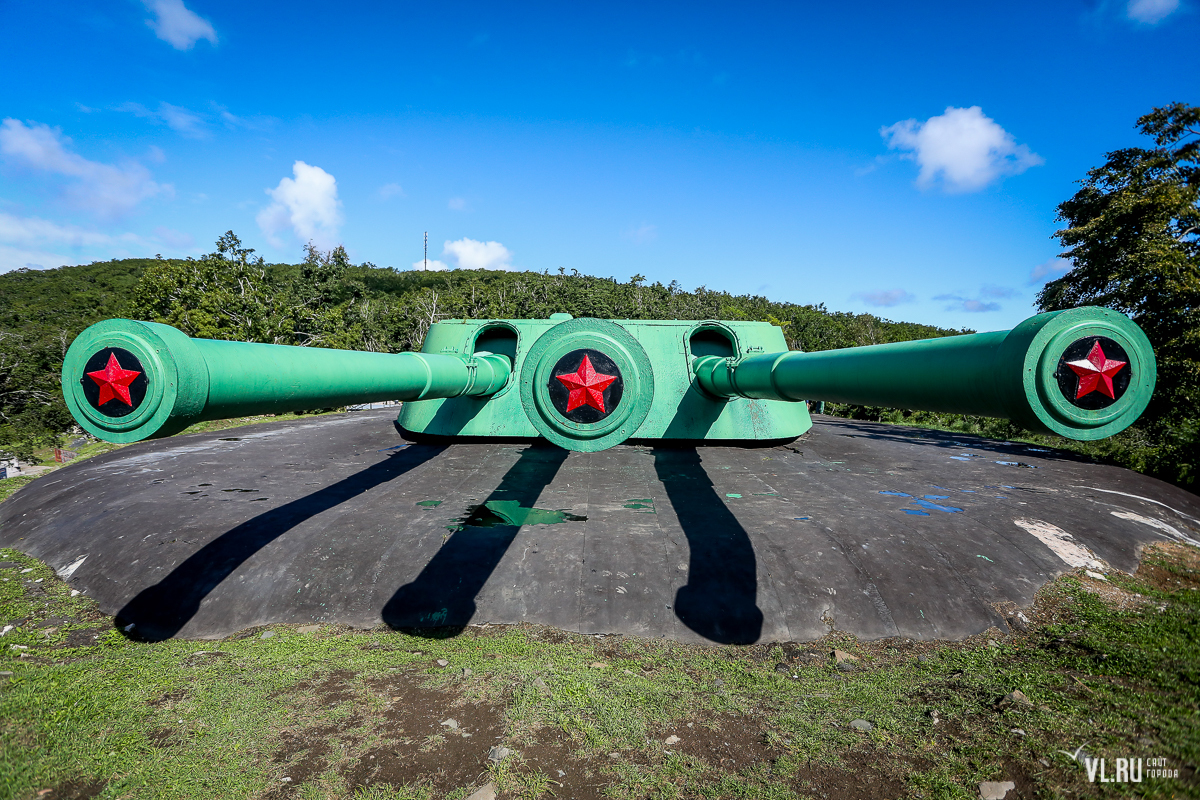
(125, 381)
(1085, 373)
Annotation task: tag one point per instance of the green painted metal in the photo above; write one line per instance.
(191, 380)
(678, 408)
(683, 380)
(1008, 374)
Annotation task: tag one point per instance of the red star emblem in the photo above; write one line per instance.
(587, 386)
(114, 381)
(1096, 373)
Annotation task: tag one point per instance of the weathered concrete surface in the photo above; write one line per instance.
(333, 520)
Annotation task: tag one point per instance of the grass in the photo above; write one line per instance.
(1112, 666)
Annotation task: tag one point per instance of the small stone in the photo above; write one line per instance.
(782, 669)
(441, 662)
(1018, 698)
(485, 792)
(1019, 622)
(308, 629)
(39, 580)
(672, 739)
(861, 725)
(130, 627)
(498, 753)
(1018, 732)
(19, 646)
(1096, 575)
(466, 672)
(285, 779)
(718, 683)
(1044, 762)
(267, 635)
(841, 656)
(598, 665)
(844, 666)
(993, 643)
(995, 790)
(691, 725)
(74, 593)
(627, 672)
(452, 724)
(538, 682)
(614, 755)
(7, 628)
(561, 774)
(27, 569)
(922, 659)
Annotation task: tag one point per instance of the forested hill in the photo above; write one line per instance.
(328, 302)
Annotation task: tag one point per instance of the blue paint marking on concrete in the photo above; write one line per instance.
(801, 518)
(936, 507)
(896, 494)
(937, 497)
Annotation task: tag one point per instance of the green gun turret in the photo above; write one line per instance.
(588, 384)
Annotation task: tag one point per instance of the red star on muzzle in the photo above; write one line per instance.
(587, 387)
(114, 381)
(1096, 373)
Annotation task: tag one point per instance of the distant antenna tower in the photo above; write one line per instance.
(426, 267)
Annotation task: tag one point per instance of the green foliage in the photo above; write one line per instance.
(1133, 234)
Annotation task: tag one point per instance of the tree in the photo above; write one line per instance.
(1133, 236)
(224, 295)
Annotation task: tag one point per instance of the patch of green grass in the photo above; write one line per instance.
(157, 719)
(10, 485)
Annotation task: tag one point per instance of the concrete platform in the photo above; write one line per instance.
(872, 529)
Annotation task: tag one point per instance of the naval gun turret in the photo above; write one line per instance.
(589, 384)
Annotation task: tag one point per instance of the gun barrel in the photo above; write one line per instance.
(125, 381)
(1085, 373)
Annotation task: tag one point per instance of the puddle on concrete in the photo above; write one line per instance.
(427, 503)
(231, 439)
(1021, 464)
(237, 490)
(639, 504)
(500, 513)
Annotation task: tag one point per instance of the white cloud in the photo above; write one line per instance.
(955, 302)
(1050, 269)
(433, 265)
(885, 298)
(106, 190)
(179, 119)
(21, 258)
(30, 242)
(470, 254)
(457, 204)
(308, 205)
(177, 25)
(997, 292)
(1151, 12)
(643, 233)
(174, 238)
(183, 121)
(29, 231)
(966, 149)
(389, 190)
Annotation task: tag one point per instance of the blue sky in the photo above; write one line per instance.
(899, 159)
